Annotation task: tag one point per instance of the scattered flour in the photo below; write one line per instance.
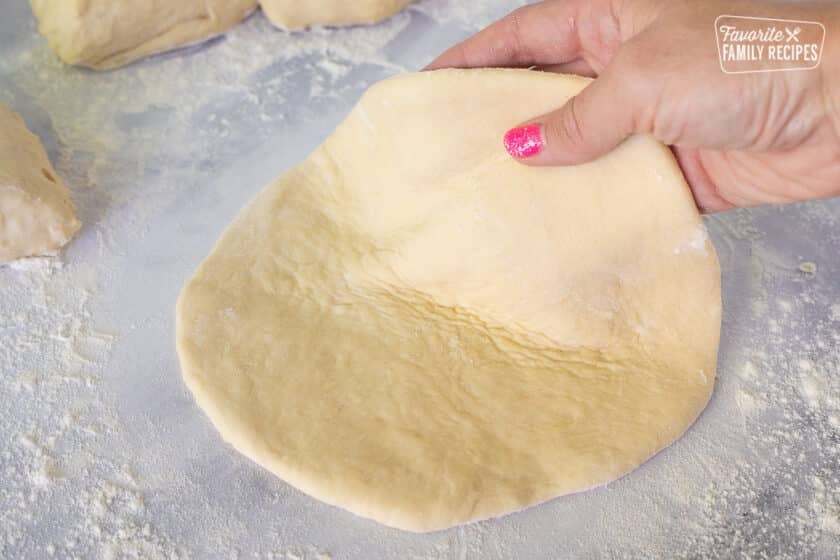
(749, 403)
(57, 425)
(696, 243)
(35, 263)
(105, 456)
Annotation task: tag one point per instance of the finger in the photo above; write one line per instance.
(578, 66)
(589, 125)
(537, 34)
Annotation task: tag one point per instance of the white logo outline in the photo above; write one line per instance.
(776, 20)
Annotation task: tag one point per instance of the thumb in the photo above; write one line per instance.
(588, 126)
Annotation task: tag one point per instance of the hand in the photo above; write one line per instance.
(741, 139)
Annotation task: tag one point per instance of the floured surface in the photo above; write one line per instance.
(451, 336)
(172, 148)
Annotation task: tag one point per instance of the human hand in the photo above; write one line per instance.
(741, 139)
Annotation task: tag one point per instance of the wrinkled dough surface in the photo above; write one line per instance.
(293, 14)
(104, 34)
(414, 327)
(37, 216)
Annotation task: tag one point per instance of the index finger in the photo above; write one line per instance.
(534, 35)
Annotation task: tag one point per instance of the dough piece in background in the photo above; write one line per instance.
(294, 14)
(415, 327)
(104, 34)
(37, 216)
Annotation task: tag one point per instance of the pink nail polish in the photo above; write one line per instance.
(524, 141)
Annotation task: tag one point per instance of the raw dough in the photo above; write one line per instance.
(105, 34)
(415, 327)
(37, 216)
(294, 14)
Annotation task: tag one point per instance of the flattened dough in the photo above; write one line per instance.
(294, 14)
(37, 216)
(414, 327)
(105, 34)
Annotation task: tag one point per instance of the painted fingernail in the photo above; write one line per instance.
(524, 141)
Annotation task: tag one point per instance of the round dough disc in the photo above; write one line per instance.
(415, 327)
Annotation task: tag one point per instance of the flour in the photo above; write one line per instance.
(696, 243)
(759, 475)
(104, 455)
(749, 403)
(814, 385)
(56, 422)
(35, 263)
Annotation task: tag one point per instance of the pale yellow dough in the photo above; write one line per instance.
(414, 327)
(105, 34)
(37, 216)
(294, 14)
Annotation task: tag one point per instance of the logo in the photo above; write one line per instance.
(751, 44)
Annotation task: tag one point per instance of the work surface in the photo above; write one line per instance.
(103, 453)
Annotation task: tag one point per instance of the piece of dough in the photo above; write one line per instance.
(105, 34)
(37, 216)
(417, 328)
(294, 14)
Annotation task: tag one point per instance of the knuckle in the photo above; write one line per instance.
(632, 76)
(516, 39)
(567, 127)
(631, 58)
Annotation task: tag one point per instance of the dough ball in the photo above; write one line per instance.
(293, 14)
(104, 34)
(37, 216)
(415, 327)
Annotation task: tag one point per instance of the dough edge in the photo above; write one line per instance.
(291, 15)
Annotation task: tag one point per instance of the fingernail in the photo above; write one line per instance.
(524, 141)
